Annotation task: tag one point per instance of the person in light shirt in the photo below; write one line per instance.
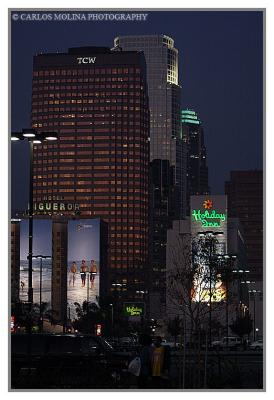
(160, 364)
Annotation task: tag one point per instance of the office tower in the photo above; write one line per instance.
(245, 201)
(164, 93)
(162, 212)
(166, 150)
(196, 165)
(15, 259)
(96, 99)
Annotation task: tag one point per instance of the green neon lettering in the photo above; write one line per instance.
(198, 215)
(131, 310)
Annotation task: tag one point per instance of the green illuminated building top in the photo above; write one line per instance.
(190, 117)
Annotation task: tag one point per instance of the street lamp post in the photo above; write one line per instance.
(254, 292)
(41, 258)
(33, 137)
(228, 259)
(111, 305)
(88, 278)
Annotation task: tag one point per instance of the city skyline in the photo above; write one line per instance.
(220, 68)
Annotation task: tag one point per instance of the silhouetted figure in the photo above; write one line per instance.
(145, 358)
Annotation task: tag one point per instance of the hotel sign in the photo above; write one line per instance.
(208, 216)
(134, 309)
(52, 207)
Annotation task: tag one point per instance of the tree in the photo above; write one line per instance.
(195, 291)
(242, 325)
(192, 271)
(88, 315)
(175, 327)
(26, 316)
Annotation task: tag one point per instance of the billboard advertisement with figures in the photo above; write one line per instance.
(83, 261)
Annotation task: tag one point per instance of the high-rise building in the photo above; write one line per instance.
(164, 92)
(196, 163)
(162, 211)
(245, 201)
(167, 185)
(96, 99)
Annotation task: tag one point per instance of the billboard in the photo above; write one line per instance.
(83, 269)
(42, 245)
(208, 222)
(83, 255)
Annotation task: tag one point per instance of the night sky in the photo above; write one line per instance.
(221, 73)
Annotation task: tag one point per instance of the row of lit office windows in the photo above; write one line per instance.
(85, 79)
(124, 144)
(108, 95)
(63, 90)
(85, 71)
(94, 160)
(90, 117)
(92, 124)
(82, 109)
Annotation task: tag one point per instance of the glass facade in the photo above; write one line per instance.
(196, 161)
(164, 102)
(166, 150)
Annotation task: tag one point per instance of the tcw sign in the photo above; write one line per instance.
(86, 60)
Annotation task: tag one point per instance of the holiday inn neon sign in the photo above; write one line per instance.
(208, 217)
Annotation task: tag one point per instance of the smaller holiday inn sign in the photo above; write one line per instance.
(208, 218)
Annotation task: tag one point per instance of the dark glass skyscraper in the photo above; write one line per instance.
(167, 185)
(164, 92)
(162, 213)
(96, 99)
(196, 164)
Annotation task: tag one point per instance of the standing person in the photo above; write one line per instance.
(92, 273)
(83, 272)
(22, 286)
(72, 274)
(146, 359)
(160, 364)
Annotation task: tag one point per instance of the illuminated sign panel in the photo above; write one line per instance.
(83, 269)
(134, 309)
(209, 213)
(83, 261)
(208, 220)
